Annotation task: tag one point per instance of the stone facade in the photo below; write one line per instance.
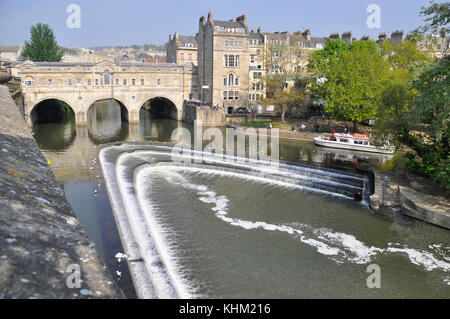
(131, 84)
(181, 49)
(223, 61)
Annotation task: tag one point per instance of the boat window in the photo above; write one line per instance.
(344, 140)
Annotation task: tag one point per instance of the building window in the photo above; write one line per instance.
(96, 82)
(106, 77)
(158, 82)
(225, 95)
(231, 43)
(230, 79)
(69, 82)
(117, 81)
(124, 81)
(230, 95)
(226, 44)
(236, 95)
(142, 81)
(190, 56)
(236, 81)
(79, 82)
(252, 58)
(133, 82)
(50, 83)
(225, 81)
(231, 60)
(89, 82)
(181, 56)
(258, 52)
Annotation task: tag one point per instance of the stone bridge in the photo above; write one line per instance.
(79, 85)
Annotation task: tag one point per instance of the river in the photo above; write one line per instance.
(229, 235)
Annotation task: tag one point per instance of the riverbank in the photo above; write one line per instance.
(40, 237)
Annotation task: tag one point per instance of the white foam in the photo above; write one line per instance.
(340, 247)
(345, 246)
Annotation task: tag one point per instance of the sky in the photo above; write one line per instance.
(119, 22)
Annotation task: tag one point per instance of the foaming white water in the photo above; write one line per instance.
(257, 166)
(166, 281)
(340, 247)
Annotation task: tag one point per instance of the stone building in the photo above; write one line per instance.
(181, 49)
(223, 61)
(436, 45)
(11, 53)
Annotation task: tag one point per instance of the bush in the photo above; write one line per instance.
(398, 163)
(437, 173)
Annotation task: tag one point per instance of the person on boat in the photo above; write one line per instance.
(269, 127)
(346, 129)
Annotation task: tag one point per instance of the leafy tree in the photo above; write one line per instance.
(42, 45)
(353, 82)
(415, 36)
(404, 54)
(283, 63)
(283, 98)
(436, 15)
(321, 58)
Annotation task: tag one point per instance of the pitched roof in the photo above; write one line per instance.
(9, 48)
(228, 24)
(257, 36)
(182, 39)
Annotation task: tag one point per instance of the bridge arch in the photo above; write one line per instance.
(48, 109)
(124, 110)
(160, 104)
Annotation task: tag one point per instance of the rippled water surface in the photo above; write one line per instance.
(228, 234)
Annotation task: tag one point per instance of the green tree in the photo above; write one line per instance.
(320, 59)
(404, 54)
(415, 36)
(283, 63)
(42, 45)
(353, 82)
(280, 96)
(436, 15)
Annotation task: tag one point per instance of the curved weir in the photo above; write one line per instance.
(179, 220)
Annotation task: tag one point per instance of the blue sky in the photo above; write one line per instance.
(119, 22)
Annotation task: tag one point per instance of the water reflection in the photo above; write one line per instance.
(105, 124)
(56, 136)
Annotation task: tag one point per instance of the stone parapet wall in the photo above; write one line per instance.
(40, 235)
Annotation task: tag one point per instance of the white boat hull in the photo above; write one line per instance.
(356, 147)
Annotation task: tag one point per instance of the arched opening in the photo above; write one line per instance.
(161, 107)
(54, 126)
(51, 111)
(156, 119)
(230, 110)
(107, 121)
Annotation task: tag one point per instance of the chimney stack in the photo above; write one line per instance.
(307, 35)
(347, 36)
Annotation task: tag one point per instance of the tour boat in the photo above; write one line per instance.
(357, 142)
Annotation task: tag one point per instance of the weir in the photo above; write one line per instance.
(125, 167)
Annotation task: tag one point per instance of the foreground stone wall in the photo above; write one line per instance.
(39, 233)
